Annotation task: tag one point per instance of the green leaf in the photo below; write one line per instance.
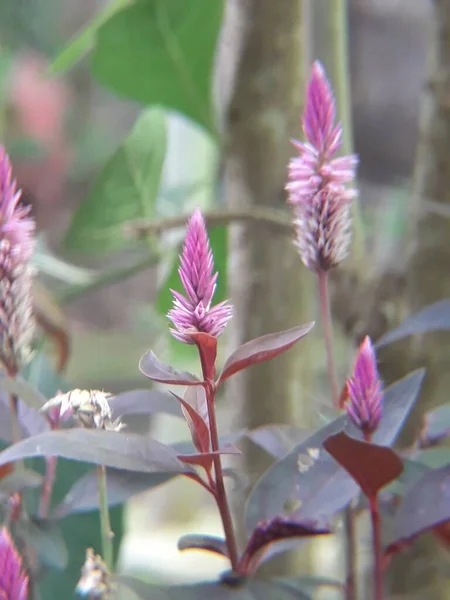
(125, 190)
(163, 53)
(84, 41)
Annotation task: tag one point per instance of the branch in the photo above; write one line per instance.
(266, 217)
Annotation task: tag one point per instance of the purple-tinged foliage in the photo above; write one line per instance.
(13, 578)
(365, 397)
(193, 313)
(16, 248)
(317, 184)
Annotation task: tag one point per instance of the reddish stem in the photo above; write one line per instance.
(47, 488)
(220, 493)
(377, 549)
(327, 328)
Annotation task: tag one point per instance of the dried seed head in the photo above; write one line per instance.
(87, 408)
(365, 397)
(193, 313)
(95, 578)
(317, 184)
(14, 583)
(16, 248)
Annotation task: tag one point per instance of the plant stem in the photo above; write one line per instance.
(47, 488)
(105, 523)
(327, 328)
(15, 425)
(349, 516)
(220, 492)
(377, 549)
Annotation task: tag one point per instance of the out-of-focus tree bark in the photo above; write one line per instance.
(416, 574)
(270, 288)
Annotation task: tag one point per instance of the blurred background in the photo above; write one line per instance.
(102, 303)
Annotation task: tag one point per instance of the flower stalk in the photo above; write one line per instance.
(107, 534)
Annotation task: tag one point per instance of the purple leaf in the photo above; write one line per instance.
(109, 448)
(122, 485)
(274, 530)
(241, 589)
(371, 466)
(435, 317)
(424, 506)
(203, 542)
(309, 481)
(277, 440)
(31, 421)
(156, 370)
(143, 402)
(262, 349)
(436, 426)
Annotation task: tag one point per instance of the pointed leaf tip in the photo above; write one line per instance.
(371, 466)
(156, 370)
(203, 542)
(262, 349)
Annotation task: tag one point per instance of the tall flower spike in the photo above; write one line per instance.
(13, 579)
(193, 313)
(317, 184)
(365, 397)
(16, 248)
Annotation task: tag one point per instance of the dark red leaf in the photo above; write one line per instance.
(207, 348)
(203, 542)
(197, 426)
(275, 530)
(156, 370)
(262, 349)
(371, 466)
(6, 470)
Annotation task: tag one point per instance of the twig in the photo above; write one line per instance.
(377, 549)
(258, 216)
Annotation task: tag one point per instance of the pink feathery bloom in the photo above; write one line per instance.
(16, 249)
(365, 396)
(193, 313)
(317, 184)
(14, 583)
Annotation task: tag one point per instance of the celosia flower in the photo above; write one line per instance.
(95, 578)
(317, 187)
(193, 313)
(16, 248)
(14, 583)
(87, 408)
(365, 397)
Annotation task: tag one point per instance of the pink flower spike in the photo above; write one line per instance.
(16, 227)
(365, 403)
(193, 313)
(317, 181)
(14, 583)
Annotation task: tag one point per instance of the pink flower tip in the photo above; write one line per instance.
(365, 403)
(16, 226)
(14, 583)
(192, 313)
(317, 185)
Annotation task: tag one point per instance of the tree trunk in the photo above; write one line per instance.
(270, 288)
(416, 573)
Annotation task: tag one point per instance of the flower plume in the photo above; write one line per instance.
(16, 248)
(13, 579)
(193, 313)
(317, 184)
(365, 397)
